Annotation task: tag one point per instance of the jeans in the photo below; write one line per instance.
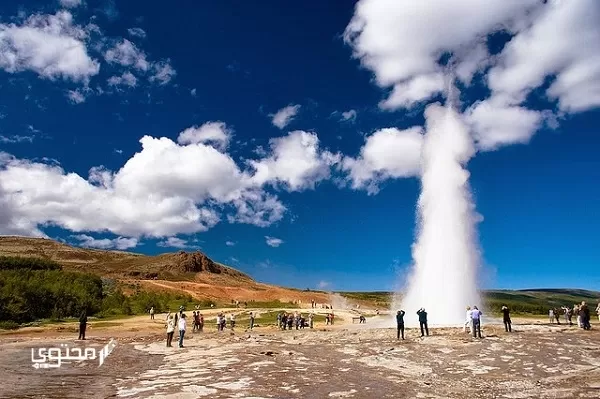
(424, 328)
(476, 328)
(507, 325)
(181, 334)
(400, 330)
(82, 327)
(251, 324)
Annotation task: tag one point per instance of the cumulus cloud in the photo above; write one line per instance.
(126, 79)
(50, 45)
(273, 242)
(295, 162)
(76, 96)
(216, 133)
(163, 190)
(284, 116)
(387, 153)
(163, 72)
(125, 53)
(120, 243)
(230, 243)
(553, 46)
(173, 242)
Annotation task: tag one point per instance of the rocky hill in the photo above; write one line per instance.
(171, 266)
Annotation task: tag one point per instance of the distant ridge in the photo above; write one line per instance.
(173, 266)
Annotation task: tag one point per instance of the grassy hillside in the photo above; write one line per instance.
(178, 266)
(532, 301)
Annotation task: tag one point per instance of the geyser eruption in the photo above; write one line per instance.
(445, 255)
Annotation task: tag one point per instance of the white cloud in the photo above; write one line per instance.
(16, 139)
(553, 43)
(296, 162)
(126, 79)
(216, 133)
(193, 92)
(121, 243)
(563, 41)
(173, 242)
(70, 3)
(125, 53)
(137, 32)
(76, 96)
(285, 115)
(387, 153)
(273, 242)
(323, 285)
(349, 115)
(163, 190)
(230, 243)
(163, 72)
(495, 123)
(49, 45)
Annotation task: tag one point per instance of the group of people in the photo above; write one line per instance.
(581, 311)
(287, 320)
(473, 320)
(422, 322)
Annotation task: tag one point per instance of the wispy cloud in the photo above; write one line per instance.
(173, 242)
(273, 242)
(323, 285)
(284, 116)
(229, 243)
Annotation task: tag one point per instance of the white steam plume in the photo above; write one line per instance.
(445, 254)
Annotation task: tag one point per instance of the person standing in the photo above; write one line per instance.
(468, 321)
(551, 315)
(423, 322)
(152, 313)
(311, 319)
(82, 324)
(400, 323)
(585, 318)
(170, 330)
(476, 317)
(506, 318)
(598, 311)
(182, 326)
(251, 320)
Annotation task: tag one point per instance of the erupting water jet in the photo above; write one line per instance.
(446, 258)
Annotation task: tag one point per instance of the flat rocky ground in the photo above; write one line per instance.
(349, 361)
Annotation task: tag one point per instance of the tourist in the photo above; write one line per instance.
(506, 319)
(327, 319)
(468, 321)
(279, 315)
(82, 324)
(557, 315)
(331, 317)
(251, 320)
(232, 320)
(569, 315)
(585, 318)
(598, 311)
(476, 317)
(152, 313)
(284, 318)
(311, 317)
(170, 330)
(577, 312)
(182, 325)
(423, 322)
(362, 319)
(551, 315)
(400, 323)
(201, 318)
(290, 321)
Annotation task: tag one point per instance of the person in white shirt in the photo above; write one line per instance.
(476, 317)
(468, 321)
(182, 326)
(598, 310)
(170, 330)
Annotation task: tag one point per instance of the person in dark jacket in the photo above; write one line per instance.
(400, 322)
(423, 322)
(586, 316)
(506, 318)
(82, 324)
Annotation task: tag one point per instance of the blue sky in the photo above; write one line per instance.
(83, 82)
